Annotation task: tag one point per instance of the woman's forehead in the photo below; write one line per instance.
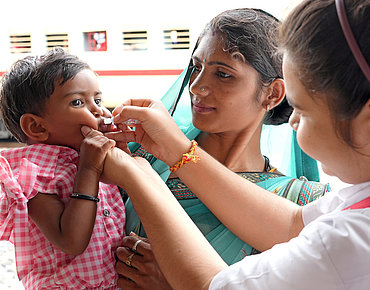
(209, 44)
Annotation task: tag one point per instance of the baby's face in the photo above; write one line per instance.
(76, 103)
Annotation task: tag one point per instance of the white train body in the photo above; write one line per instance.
(137, 47)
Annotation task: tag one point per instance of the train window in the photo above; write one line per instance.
(20, 43)
(95, 41)
(135, 40)
(56, 39)
(176, 38)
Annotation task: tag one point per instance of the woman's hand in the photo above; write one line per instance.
(156, 131)
(144, 272)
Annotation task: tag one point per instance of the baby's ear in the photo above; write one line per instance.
(33, 127)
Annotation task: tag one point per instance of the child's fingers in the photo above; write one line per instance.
(95, 139)
(85, 130)
(107, 143)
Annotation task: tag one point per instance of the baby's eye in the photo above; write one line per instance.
(76, 103)
(222, 74)
(98, 101)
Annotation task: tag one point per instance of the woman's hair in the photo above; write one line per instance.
(252, 36)
(30, 82)
(314, 40)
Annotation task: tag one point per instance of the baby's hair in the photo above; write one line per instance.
(30, 82)
(313, 38)
(251, 35)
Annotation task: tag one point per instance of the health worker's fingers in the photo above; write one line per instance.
(138, 115)
(122, 136)
(133, 102)
(157, 132)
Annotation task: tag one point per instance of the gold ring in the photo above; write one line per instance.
(134, 248)
(129, 259)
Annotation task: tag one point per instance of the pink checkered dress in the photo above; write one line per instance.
(52, 169)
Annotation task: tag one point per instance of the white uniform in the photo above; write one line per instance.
(331, 252)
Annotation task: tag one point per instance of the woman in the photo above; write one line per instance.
(235, 86)
(323, 245)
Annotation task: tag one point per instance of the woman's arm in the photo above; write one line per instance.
(242, 206)
(69, 227)
(185, 257)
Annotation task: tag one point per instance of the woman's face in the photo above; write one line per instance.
(315, 128)
(224, 90)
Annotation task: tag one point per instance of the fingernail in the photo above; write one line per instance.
(133, 234)
(85, 130)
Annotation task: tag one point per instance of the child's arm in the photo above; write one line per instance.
(69, 227)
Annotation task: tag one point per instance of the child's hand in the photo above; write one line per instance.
(94, 149)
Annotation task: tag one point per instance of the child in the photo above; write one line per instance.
(323, 245)
(64, 224)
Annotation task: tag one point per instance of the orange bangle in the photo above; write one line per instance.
(186, 157)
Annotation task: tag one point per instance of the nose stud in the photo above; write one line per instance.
(202, 89)
(195, 100)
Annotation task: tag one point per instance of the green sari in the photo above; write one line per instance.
(227, 245)
(294, 188)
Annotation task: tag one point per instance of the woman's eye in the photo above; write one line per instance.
(222, 74)
(98, 101)
(76, 103)
(196, 68)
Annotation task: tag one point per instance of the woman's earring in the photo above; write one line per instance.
(268, 108)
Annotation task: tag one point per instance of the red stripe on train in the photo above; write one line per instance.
(153, 72)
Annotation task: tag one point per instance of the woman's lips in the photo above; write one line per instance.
(199, 108)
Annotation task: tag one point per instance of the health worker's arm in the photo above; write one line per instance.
(241, 206)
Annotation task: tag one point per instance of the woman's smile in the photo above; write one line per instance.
(200, 108)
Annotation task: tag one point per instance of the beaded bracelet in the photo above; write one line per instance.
(84, 196)
(186, 157)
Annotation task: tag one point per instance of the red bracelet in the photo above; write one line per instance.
(186, 157)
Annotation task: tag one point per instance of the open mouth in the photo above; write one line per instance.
(106, 125)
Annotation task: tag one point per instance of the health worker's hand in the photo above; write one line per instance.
(156, 131)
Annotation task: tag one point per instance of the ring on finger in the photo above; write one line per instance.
(129, 259)
(134, 247)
